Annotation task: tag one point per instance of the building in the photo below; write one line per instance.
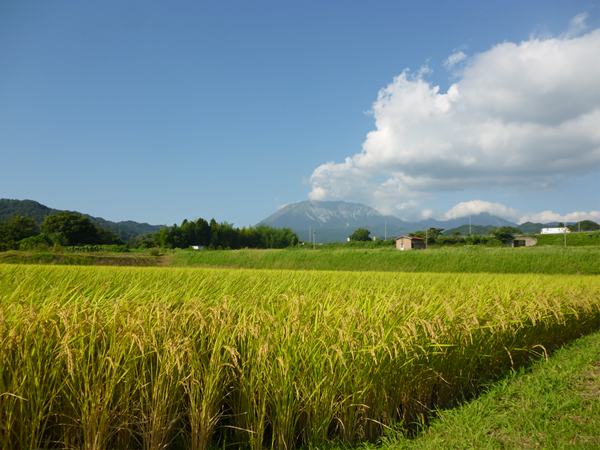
(410, 243)
(555, 230)
(522, 241)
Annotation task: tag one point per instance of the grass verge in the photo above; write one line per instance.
(554, 404)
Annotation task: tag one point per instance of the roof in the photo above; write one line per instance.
(410, 237)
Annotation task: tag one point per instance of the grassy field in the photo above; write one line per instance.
(543, 260)
(79, 259)
(573, 239)
(555, 404)
(153, 358)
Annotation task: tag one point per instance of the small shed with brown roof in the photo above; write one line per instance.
(410, 243)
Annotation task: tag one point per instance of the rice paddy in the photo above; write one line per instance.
(154, 358)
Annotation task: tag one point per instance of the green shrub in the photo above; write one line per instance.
(39, 242)
(116, 248)
(10, 245)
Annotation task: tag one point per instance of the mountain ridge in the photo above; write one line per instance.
(125, 229)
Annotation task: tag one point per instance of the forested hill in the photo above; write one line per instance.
(125, 230)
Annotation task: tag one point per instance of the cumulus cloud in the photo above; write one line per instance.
(520, 115)
(479, 206)
(475, 207)
(549, 216)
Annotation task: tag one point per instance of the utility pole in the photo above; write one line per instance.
(469, 224)
(309, 232)
(426, 237)
(385, 230)
(314, 238)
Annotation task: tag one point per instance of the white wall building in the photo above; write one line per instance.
(555, 230)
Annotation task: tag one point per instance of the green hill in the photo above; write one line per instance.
(478, 230)
(532, 228)
(584, 225)
(125, 230)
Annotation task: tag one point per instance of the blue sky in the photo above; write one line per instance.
(161, 111)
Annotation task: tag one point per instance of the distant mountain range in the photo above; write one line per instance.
(336, 220)
(125, 230)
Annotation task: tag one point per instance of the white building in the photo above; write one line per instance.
(555, 230)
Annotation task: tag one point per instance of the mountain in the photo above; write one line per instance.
(530, 227)
(465, 230)
(479, 219)
(125, 230)
(336, 220)
(327, 214)
(332, 220)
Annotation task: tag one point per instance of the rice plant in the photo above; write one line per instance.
(156, 358)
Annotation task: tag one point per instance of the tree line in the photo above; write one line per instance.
(68, 229)
(63, 229)
(221, 236)
(434, 236)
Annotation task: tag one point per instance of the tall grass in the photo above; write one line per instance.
(543, 260)
(125, 358)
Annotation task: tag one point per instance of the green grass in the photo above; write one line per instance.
(548, 260)
(77, 258)
(554, 404)
(573, 239)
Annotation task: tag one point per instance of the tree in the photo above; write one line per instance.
(17, 228)
(160, 238)
(505, 234)
(106, 237)
(360, 234)
(76, 229)
(142, 241)
(584, 225)
(433, 232)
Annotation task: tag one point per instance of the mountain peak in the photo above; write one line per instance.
(325, 214)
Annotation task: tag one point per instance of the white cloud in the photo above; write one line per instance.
(479, 206)
(454, 59)
(549, 216)
(475, 207)
(521, 115)
(577, 25)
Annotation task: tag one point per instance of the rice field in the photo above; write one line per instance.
(154, 358)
